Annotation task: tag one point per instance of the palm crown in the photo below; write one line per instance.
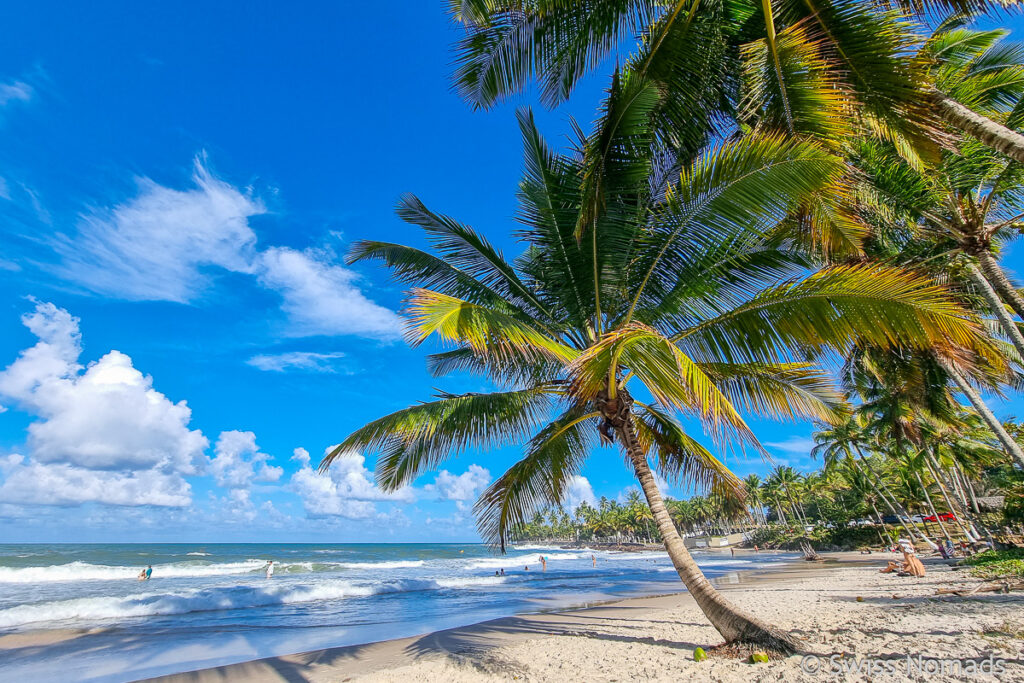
(692, 292)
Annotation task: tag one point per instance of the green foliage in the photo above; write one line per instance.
(995, 564)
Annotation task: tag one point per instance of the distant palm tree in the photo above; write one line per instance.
(669, 295)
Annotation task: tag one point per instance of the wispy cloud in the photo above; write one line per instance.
(166, 244)
(15, 91)
(296, 360)
(794, 445)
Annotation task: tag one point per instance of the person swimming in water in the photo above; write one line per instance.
(502, 572)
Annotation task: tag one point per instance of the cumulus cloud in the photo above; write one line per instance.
(237, 461)
(158, 245)
(320, 297)
(103, 432)
(307, 361)
(27, 482)
(463, 488)
(346, 490)
(577, 492)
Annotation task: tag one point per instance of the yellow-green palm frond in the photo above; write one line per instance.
(553, 456)
(488, 332)
(671, 377)
(681, 459)
(808, 99)
(780, 390)
(827, 225)
(832, 310)
(424, 435)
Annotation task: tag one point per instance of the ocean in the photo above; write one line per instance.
(77, 612)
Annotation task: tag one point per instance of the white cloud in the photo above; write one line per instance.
(15, 91)
(237, 461)
(322, 298)
(103, 433)
(577, 492)
(298, 360)
(167, 244)
(462, 488)
(157, 245)
(301, 456)
(36, 483)
(794, 445)
(346, 490)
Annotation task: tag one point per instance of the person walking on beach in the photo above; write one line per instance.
(270, 569)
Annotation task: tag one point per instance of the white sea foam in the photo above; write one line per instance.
(523, 560)
(399, 564)
(198, 554)
(219, 598)
(83, 571)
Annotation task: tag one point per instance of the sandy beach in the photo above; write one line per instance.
(842, 607)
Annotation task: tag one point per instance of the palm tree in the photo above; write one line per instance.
(787, 479)
(799, 67)
(847, 440)
(752, 490)
(668, 303)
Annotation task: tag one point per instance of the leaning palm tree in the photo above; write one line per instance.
(804, 67)
(680, 301)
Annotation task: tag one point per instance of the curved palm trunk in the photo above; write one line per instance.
(734, 624)
(955, 509)
(994, 274)
(878, 515)
(902, 513)
(998, 307)
(1011, 446)
(987, 131)
(931, 506)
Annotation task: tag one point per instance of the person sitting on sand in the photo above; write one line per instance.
(910, 566)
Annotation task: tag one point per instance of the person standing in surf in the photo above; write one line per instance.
(270, 569)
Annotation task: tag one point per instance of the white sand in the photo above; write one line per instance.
(653, 639)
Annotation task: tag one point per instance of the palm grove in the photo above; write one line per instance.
(788, 209)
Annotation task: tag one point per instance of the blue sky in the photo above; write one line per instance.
(181, 337)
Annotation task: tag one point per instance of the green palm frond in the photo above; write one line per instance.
(469, 251)
(784, 390)
(665, 371)
(808, 99)
(681, 459)
(424, 435)
(831, 309)
(488, 332)
(719, 198)
(552, 457)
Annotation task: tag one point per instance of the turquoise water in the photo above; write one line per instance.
(212, 604)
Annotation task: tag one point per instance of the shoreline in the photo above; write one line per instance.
(473, 647)
(842, 605)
